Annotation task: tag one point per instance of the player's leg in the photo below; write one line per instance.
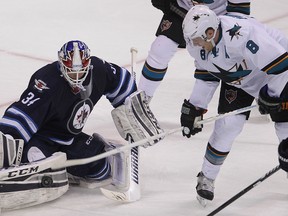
(281, 127)
(224, 133)
(94, 174)
(32, 183)
(169, 38)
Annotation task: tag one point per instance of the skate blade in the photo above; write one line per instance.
(202, 201)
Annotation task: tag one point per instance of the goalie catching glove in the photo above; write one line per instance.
(134, 120)
(190, 115)
(10, 150)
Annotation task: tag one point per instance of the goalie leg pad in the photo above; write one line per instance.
(134, 120)
(125, 185)
(10, 150)
(33, 183)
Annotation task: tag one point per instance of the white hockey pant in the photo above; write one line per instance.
(224, 133)
(161, 52)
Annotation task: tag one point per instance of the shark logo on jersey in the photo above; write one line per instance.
(234, 31)
(40, 85)
(196, 18)
(79, 116)
(234, 75)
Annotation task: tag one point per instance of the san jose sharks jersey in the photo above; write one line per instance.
(220, 6)
(248, 55)
(50, 108)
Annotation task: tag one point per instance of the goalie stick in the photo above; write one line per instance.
(241, 193)
(132, 191)
(68, 163)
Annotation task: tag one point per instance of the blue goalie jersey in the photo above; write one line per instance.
(50, 108)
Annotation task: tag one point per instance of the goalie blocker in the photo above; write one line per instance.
(134, 121)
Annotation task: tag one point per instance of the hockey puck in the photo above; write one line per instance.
(46, 181)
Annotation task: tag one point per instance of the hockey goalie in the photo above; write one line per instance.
(42, 132)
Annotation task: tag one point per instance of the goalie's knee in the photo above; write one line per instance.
(32, 189)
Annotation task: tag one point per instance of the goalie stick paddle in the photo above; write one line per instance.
(241, 193)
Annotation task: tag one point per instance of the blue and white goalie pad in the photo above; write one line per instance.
(34, 183)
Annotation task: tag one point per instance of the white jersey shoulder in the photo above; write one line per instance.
(244, 49)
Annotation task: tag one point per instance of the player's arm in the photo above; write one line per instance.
(258, 49)
(194, 108)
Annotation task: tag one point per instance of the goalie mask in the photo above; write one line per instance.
(198, 19)
(74, 60)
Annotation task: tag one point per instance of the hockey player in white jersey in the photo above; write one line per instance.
(243, 53)
(169, 39)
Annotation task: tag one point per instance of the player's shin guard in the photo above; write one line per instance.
(10, 150)
(33, 183)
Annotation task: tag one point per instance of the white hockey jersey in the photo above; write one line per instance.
(248, 55)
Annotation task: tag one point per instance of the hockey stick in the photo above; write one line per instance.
(132, 190)
(241, 193)
(149, 139)
(68, 163)
(133, 52)
(234, 112)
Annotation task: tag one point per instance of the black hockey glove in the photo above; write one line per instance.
(190, 115)
(163, 5)
(268, 104)
(283, 154)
